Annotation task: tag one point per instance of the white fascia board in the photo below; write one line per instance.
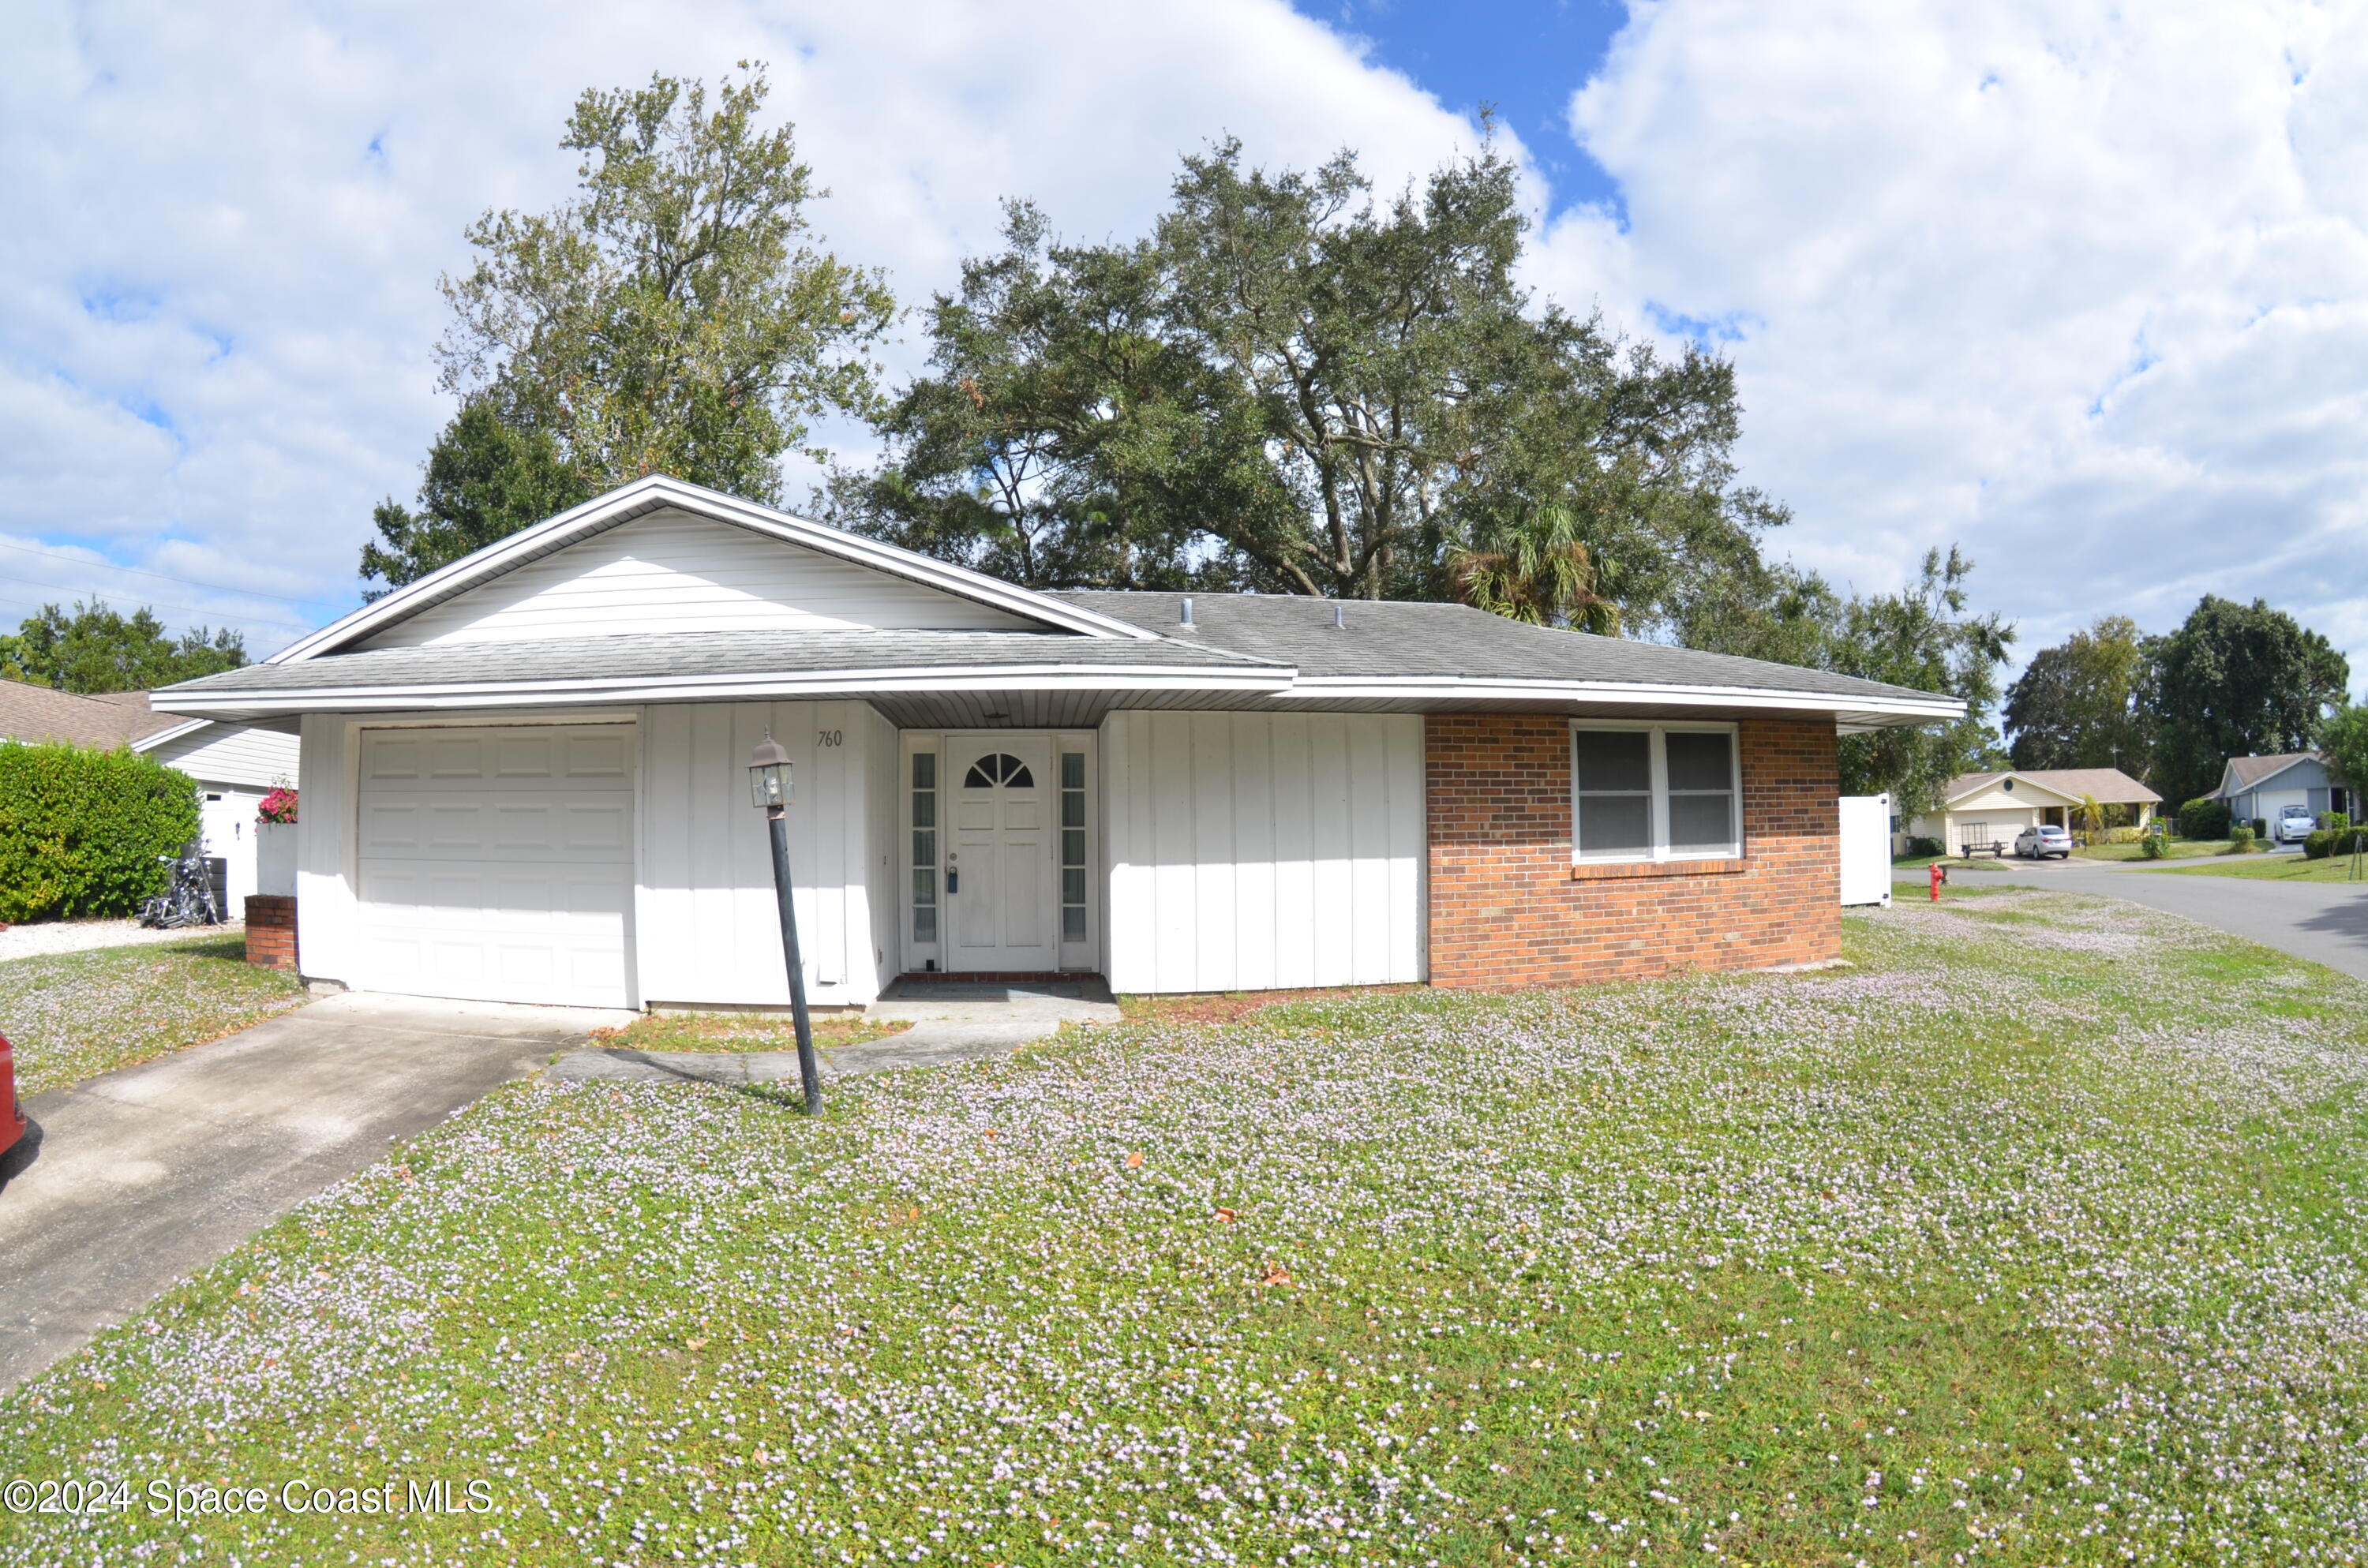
(645, 495)
(1637, 693)
(150, 742)
(737, 688)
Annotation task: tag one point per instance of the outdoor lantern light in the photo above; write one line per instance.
(768, 789)
(769, 775)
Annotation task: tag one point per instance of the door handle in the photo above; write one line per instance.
(953, 883)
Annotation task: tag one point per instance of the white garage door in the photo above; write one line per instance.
(498, 863)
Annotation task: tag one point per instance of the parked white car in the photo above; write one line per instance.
(2038, 842)
(2294, 825)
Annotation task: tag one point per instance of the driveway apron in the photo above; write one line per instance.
(144, 1176)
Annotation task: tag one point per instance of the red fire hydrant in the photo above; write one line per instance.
(1939, 880)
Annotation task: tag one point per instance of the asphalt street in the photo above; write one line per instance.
(2324, 921)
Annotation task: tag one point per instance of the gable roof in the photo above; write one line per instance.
(2111, 786)
(658, 493)
(37, 713)
(2243, 773)
(1079, 653)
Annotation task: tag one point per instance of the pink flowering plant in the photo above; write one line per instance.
(278, 806)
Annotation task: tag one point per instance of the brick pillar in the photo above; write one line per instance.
(271, 931)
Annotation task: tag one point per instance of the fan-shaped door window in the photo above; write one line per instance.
(998, 767)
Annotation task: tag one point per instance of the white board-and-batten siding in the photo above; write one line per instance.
(670, 572)
(1251, 851)
(709, 927)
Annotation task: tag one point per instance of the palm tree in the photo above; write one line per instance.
(1534, 568)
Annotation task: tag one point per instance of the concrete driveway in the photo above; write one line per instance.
(144, 1176)
(2324, 921)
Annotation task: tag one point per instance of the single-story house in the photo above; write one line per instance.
(2256, 788)
(525, 778)
(234, 766)
(1981, 808)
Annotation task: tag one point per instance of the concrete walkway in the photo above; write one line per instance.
(2324, 921)
(145, 1177)
(952, 1021)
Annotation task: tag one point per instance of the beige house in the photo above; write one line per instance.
(1978, 810)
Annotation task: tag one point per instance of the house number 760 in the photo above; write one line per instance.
(829, 737)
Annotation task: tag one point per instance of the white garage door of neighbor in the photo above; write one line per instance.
(498, 863)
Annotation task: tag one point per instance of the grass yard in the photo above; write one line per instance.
(75, 1016)
(738, 1031)
(2037, 1239)
(2180, 849)
(2286, 867)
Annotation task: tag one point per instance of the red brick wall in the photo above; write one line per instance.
(1506, 908)
(271, 931)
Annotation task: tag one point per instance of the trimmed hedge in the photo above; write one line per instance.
(2203, 819)
(2328, 841)
(81, 830)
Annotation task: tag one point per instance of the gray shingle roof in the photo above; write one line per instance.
(1391, 637)
(693, 653)
(2244, 772)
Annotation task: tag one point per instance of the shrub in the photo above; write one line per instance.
(81, 831)
(2330, 841)
(2240, 840)
(1922, 848)
(2204, 818)
(2154, 846)
(2335, 819)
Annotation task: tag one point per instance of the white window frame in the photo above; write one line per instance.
(1659, 850)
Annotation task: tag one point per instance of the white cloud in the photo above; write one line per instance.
(217, 286)
(2082, 286)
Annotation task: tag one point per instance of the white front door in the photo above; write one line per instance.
(1001, 903)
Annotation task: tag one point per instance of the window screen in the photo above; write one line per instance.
(1614, 769)
(1702, 790)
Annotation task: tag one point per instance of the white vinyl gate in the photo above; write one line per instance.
(1866, 849)
(496, 862)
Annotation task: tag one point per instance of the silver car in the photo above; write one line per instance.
(2294, 825)
(2038, 842)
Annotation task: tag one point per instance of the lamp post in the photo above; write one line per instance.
(769, 788)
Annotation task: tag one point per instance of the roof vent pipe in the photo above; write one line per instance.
(1340, 617)
(1184, 613)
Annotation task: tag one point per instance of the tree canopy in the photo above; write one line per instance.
(97, 650)
(674, 318)
(1291, 387)
(2238, 680)
(2087, 702)
(1923, 636)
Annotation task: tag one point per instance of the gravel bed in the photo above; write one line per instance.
(81, 935)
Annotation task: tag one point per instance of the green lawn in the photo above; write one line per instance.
(738, 1033)
(2034, 1239)
(74, 1015)
(2180, 849)
(2274, 868)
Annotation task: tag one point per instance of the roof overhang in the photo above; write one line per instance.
(1858, 713)
(659, 493)
(2248, 787)
(1263, 685)
(151, 742)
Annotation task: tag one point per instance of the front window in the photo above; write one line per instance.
(1656, 792)
(1073, 847)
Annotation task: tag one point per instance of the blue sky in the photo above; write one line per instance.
(2081, 286)
(1522, 61)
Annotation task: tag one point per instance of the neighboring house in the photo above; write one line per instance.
(234, 766)
(2257, 787)
(525, 779)
(1981, 808)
